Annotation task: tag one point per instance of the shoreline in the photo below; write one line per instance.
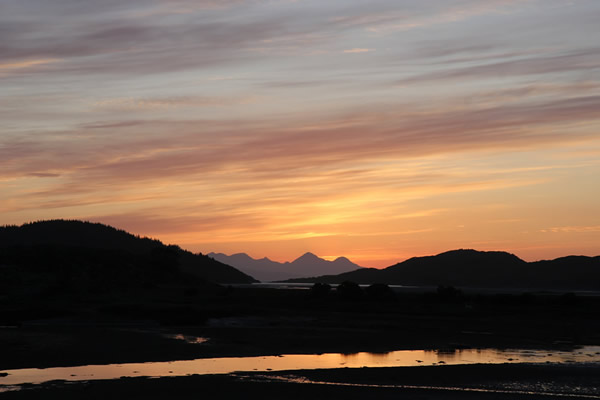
(301, 362)
(501, 381)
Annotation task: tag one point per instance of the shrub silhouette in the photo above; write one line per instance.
(449, 294)
(380, 291)
(349, 290)
(569, 299)
(320, 289)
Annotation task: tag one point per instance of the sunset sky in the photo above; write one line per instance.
(376, 130)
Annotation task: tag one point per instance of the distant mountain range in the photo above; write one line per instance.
(91, 253)
(268, 271)
(484, 269)
(76, 254)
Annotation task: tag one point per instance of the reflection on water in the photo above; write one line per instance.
(188, 339)
(365, 358)
(403, 358)
(448, 354)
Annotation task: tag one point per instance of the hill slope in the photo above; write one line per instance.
(95, 252)
(267, 270)
(471, 268)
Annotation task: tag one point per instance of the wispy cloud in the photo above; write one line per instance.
(358, 50)
(442, 13)
(572, 229)
(582, 60)
(144, 153)
(26, 64)
(153, 104)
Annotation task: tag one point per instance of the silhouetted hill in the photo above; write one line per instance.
(83, 253)
(485, 269)
(267, 270)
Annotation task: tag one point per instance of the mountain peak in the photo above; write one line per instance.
(307, 264)
(308, 256)
(241, 255)
(341, 259)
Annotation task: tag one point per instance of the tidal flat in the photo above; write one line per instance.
(243, 322)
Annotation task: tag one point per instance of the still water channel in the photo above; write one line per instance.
(204, 366)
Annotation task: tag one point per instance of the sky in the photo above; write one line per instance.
(377, 130)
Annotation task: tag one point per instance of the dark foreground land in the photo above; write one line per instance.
(67, 329)
(80, 329)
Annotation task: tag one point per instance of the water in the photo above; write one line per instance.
(307, 286)
(205, 366)
(423, 289)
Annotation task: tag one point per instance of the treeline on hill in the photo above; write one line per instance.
(34, 267)
(76, 255)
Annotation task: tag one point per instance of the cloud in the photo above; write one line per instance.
(44, 175)
(111, 38)
(136, 151)
(158, 223)
(358, 50)
(26, 63)
(446, 13)
(153, 104)
(581, 60)
(117, 45)
(572, 229)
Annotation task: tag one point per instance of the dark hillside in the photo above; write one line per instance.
(480, 269)
(102, 255)
(461, 268)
